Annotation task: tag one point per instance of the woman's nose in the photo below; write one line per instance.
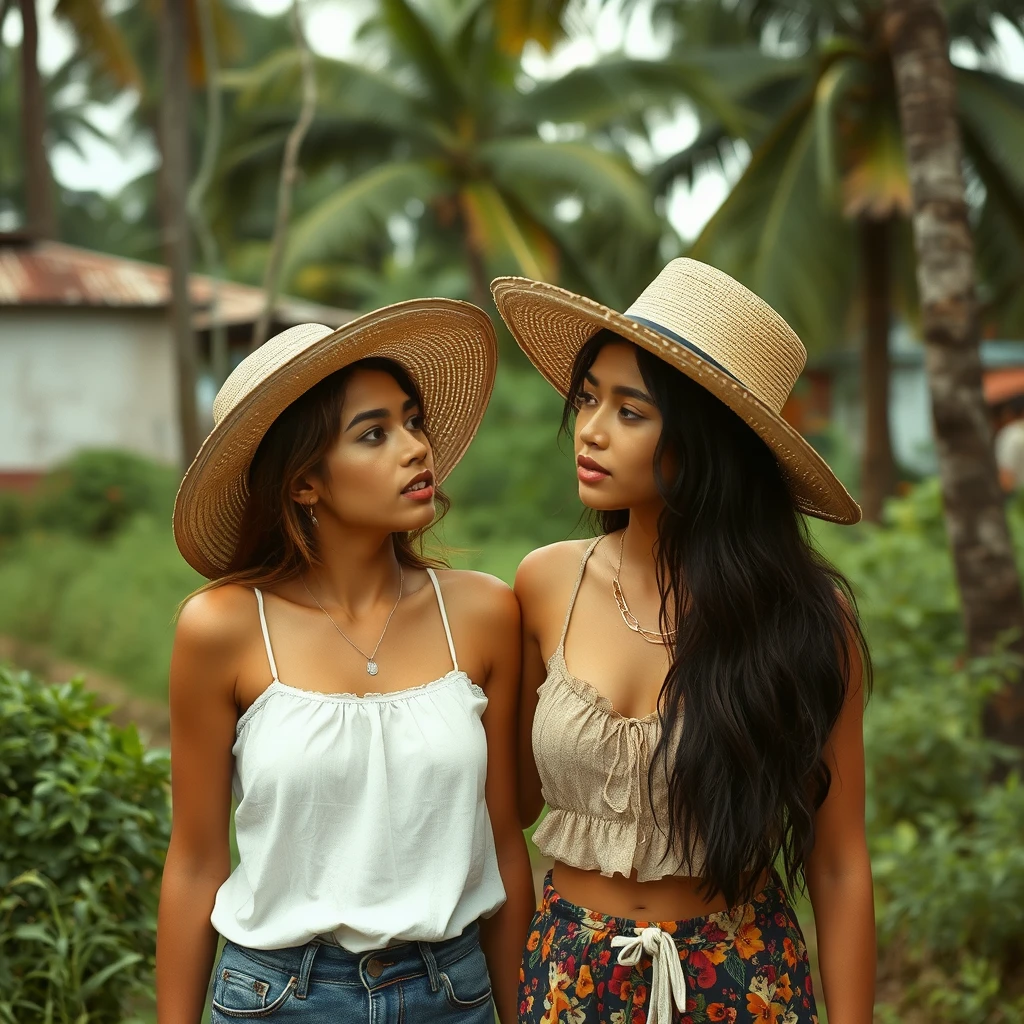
(416, 449)
(592, 432)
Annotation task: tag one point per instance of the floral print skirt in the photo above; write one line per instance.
(741, 965)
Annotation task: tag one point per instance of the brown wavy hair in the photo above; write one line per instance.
(277, 540)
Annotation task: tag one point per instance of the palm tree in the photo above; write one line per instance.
(445, 128)
(818, 222)
(976, 520)
(67, 95)
(175, 176)
(99, 42)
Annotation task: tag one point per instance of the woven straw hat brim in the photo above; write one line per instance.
(447, 346)
(551, 325)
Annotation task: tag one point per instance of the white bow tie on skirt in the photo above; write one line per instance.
(668, 983)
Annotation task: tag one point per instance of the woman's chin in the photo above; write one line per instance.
(597, 501)
(417, 518)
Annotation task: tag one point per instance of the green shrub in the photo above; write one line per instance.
(946, 838)
(13, 514)
(95, 493)
(84, 825)
(109, 605)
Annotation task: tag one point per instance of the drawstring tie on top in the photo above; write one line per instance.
(636, 758)
(668, 983)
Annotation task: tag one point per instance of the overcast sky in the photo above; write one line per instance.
(331, 25)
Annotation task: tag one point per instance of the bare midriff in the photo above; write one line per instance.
(673, 898)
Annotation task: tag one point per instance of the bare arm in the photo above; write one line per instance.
(839, 873)
(203, 716)
(532, 588)
(503, 935)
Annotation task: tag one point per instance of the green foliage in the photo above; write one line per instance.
(95, 493)
(946, 831)
(84, 824)
(110, 605)
(445, 132)
(516, 488)
(945, 815)
(13, 514)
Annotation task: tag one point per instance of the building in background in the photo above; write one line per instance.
(87, 354)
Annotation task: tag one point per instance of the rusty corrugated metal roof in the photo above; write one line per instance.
(54, 274)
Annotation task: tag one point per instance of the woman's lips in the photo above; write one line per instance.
(425, 493)
(420, 488)
(590, 472)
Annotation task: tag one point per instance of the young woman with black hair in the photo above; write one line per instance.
(699, 676)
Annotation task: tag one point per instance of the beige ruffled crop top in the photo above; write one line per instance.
(593, 765)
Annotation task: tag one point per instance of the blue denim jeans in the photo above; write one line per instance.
(410, 983)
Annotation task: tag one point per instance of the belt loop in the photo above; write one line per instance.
(432, 972)
(302, 988)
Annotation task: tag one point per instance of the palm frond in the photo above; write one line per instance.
(877, 184)
(411, 32)
(506, 244)
(831, 90)
(100, 39)
(773, 234)
(993, 109)
(346, 90)
(519, 21)
(606, 182)
(616, 88)
(359, 210)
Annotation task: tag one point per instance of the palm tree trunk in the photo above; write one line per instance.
(39, 213)
(878, 468)
(289, 172)
(987, 575)
(219, 354)
(174, 184)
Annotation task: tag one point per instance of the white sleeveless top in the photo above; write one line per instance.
(360, 819)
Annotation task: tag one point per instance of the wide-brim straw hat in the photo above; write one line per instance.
(710, 327)
(448, 347)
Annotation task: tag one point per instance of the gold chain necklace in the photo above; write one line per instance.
(371, 666)
(652, 636)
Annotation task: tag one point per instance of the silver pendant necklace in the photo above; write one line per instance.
(371, 665)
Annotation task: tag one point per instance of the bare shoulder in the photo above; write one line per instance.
(480, 597)
(218, 620)
(550, 566)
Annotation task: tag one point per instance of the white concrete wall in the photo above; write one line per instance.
(84, 378)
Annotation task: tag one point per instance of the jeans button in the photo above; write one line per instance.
(374, 968)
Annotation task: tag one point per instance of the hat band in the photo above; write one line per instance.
(697, 351)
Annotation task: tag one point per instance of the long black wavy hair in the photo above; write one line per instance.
(765, 633)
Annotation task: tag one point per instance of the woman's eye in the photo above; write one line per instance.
(415, 423)
(628, 414)
(586, 398)
(373, 434)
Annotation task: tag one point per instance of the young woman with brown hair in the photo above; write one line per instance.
(358, 698)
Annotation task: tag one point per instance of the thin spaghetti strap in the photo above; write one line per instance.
(266, 633)
(575, 591)
(444, 618)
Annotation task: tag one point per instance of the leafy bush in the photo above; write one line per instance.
(946, 838)
(96, 493)
(13, 514)
(84, 824)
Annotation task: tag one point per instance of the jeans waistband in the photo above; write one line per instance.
(322, 961)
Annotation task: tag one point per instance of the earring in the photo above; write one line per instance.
(312, 518)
